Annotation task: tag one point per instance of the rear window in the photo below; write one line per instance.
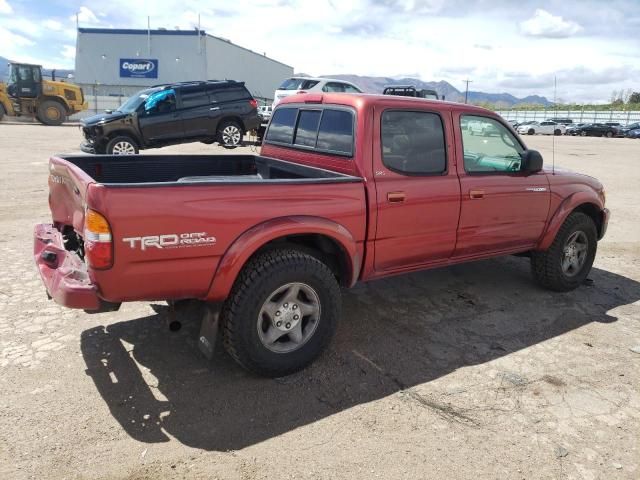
(325, 130)
(297, 84)
(281, 127)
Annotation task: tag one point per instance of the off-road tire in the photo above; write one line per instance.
(51, 113)
(546, 265)
(2, 112)
(115, 145)
(223, 140)
(258, 279)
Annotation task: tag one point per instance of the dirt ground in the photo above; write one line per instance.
(470, 372)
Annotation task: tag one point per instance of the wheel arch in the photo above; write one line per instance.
(122, 133)
(578, 202)
(231, 118)
(328, 241)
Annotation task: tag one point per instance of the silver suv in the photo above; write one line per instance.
(294, 85)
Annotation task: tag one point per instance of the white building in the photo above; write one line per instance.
(123, 61)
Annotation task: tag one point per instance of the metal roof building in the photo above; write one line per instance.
(123, 61)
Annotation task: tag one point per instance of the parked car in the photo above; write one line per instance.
(482, 128)
(597, 130)
(632, 126)
(575, 128)
(347, 188)
(264, 111)
(545, 128)
(294, 85)
(635, 133)
(221, 111)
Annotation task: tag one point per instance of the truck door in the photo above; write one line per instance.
(417, 187)
(159, 119)
(502, 209)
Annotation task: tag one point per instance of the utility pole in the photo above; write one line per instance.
(466, 91)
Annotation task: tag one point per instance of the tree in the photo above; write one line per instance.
(634, 97)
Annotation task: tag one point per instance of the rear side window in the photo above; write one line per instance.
(336, 132)
(413, 142)
(281, 127)
(229, 94)
(194, 97)
(326, 130)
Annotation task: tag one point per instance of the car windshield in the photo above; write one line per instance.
(132, 104)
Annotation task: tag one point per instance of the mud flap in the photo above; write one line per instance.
(209, 330)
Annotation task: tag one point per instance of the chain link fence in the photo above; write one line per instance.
(578, 116)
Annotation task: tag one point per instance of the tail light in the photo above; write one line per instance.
(254, 103)
(98, 244)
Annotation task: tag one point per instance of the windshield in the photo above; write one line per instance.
(132, 104)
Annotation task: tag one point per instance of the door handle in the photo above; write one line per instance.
(476, 194)
(396, 197)
(214, 108)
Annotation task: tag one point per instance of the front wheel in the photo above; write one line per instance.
(609, 134)
(282, 312)
(51, 113)
(230, 134)
(566, 264)
(531, 131)
(121, 145)
(557, 132)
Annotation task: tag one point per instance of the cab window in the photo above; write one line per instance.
(413, 142)
(490, 148)
(160, 102)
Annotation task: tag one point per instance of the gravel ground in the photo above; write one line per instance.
(464, 372)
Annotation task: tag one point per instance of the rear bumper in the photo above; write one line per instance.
(63, 273)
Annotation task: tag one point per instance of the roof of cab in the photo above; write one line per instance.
(363, 100)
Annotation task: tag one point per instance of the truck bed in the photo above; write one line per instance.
(220, 197)
(150, 170)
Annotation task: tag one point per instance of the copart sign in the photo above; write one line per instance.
(170, 240)
(138, 68)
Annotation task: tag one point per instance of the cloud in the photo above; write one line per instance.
(85, 15)
(69, 52)
(52, 24)
(5, 8)
(544, 24)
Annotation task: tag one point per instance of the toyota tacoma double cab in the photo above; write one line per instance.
(348, 188)
(207, 112)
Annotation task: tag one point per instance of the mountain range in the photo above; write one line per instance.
(377, 84)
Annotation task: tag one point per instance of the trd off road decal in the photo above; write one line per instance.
(171, 240)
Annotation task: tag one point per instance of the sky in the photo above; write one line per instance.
(591, 47)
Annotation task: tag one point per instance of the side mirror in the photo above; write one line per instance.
(531, 161)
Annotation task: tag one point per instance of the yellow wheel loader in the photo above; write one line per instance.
(27, 94)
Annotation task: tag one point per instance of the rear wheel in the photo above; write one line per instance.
(230, 134)
(51, 112)
(282, 312)
(557, 131)
(566, 264)
(121, 145)
(2, 112)
(583, 134)
(609, 134)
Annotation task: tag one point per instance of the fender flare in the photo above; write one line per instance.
(243, 247)
(567, 206)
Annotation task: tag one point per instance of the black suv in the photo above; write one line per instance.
(210, 111)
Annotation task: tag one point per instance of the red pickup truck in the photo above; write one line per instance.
(347, 188)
